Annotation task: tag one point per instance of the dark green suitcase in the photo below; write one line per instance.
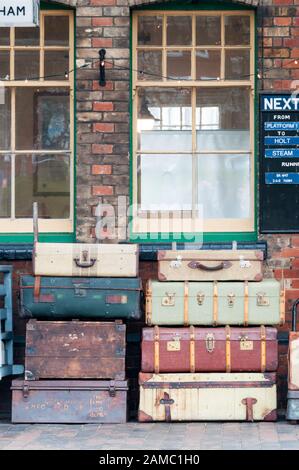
(76, 298)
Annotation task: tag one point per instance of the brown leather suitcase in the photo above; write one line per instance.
(75, 350)
(209, 349)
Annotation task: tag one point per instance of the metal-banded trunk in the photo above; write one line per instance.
(215, 303)
(75, 350)
(196, 349)
(210, 265)
(207, 397)
(69, 401)
(85, 260)
(71, 297)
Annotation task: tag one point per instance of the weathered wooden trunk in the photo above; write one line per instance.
(87, 260)
(70, 297)
(75, 350)
(215, 303)
(209, 349)
(207, 397)
(210, 265)
(61, 401)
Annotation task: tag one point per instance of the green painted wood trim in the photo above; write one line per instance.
(54, 6)
(11, 238)
(207, 237)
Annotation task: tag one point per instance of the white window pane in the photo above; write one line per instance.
(164, 119)
(5, 185)
(164, 182)
(5, 104)
(224, 186)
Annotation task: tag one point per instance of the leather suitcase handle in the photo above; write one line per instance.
(167, 402)
(85, 264)
(249, 402)
(294, 314)
(203, 267)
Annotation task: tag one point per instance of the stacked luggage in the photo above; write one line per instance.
(293, 380)
(210, 351)
(75, 367)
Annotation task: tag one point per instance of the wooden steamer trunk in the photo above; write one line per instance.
(67, 401)
(293, 394)
(215, 303)
(210, 265)
(75, 350)
(207, 397)
(209, 349)
(76, 298)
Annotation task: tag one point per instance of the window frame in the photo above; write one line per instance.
(231, 229)
(21, 229)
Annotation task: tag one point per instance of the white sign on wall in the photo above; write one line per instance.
(19, 13)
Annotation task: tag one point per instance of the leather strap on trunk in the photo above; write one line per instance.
(156, 351)
(282, 306)
(227, 349)
(249, 402)
(148, 303)
(186, 294)
(36, 289)
(215, 303)
(263, 349)
(192, 349)
(246, 302)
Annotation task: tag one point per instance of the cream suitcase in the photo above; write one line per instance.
(88, 260)
(210, 265)
(207, 397)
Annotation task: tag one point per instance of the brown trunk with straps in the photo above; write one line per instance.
(224, 349)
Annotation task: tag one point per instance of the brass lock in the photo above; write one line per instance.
(245, 344)
(200, 298)
(175, 344)
(168, 300)
(210, 342)
(231, 299)
(262, 300)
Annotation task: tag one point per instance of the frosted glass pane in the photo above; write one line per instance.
(5, 187)
(165, 182)
(5, 116)
(223, 140)
(224, 186)
(164, 119)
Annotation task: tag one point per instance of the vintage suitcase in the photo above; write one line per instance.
(215, 303)
(77, 298)
(293, 405)
(294, 351)
(210, 265)
(87, 260)
(207, 397)
(75, 350)
(209, 349)
(69, 401)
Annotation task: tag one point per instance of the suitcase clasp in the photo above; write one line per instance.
(200, 298)
(112, 389)
(231, 299)
(168, 300)
(175, 344)
(262, 300)
(25, 391)
(245, 344)
(210, 342)
(176, 263)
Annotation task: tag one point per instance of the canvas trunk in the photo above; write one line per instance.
(196, 349)
(75, 350)
(69, 401)
(215, 303)
(77, 298)
(207, 397)
(210, 265)
(85, 260)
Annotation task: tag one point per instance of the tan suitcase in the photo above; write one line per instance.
(294, 352)
(207, 397)
(210, 265)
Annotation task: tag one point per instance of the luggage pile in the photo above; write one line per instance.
(210, 351)
(75, 367)
(293, 380)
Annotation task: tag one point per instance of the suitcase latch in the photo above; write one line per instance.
(168, 300)
(25, 391)
(210, 342)
(79, 290)
(176, 263)
(112, 390)
(245, 344)
(231, 299)
(200, 298)
(262, 300)
(175, 344)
